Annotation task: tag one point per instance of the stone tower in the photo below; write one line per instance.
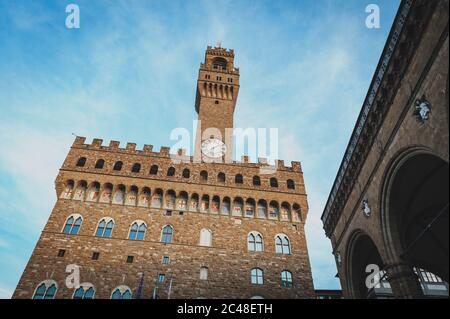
(217, 92)
(144, 223)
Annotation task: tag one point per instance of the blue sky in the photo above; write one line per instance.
(129, 74)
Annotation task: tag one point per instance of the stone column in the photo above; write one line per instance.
(404, 282)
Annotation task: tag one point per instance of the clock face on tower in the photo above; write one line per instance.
(213, 148)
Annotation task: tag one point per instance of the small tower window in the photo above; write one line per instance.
(273, 182)
(136, 168)
(154, 170)
(81, 161)
(238, 179)
(186, 173)
(100, 163)
(171, 171)
(204, 176)
(118, 166)
(290, 184)
(221, 177)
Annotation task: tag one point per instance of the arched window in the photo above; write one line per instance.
(157, 198)
(262, 209)
(80, 191)
(93, 192)
(106, 195)
(81, 161)
(154, 170)
(100, 163)
(119, 195)
(282, 245)
(255, 242)
(221, 177)
(68, 190)
(285, 212)
(73, 224)
(250, 207)
(256, 181)
(273, 182)
(238, 179)
(290, 184)
(215, 204)
(226, 206)
(167, 234)
(204, 205)
(46, 290)
(136, 168)
(182, 200)
(194, 202)
(274, 210)
(85, 291)
(237, 206)
(121, 292)
(105, 227)
(171, 171)
(118, 166)
(296, 214)
(131, 196)
(204, 273)
(205, 237)
(137, 230)
(170, 199)
(286, 278)
(204, 176)
(144, 197)
(257, 276)
(186, 173)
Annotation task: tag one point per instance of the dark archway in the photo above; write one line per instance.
(416, 212)
(361, 252)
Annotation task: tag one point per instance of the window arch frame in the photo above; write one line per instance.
(122, 290)
(107, 221)
(75, 218)
(255, 243)
(86, 286)
(48, 283)
(139, 223)
(282, 236)
(256, 180)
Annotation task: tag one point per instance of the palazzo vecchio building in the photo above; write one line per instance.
(150, 224)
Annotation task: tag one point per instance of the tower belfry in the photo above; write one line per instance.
(217, 92)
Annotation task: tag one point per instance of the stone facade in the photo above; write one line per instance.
(389, 138)
(230, 200)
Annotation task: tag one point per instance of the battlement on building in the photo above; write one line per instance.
(180, 156)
